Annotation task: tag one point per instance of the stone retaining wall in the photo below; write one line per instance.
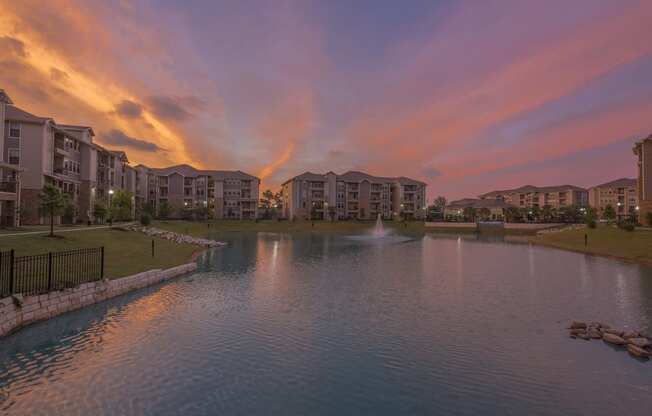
(17, 311)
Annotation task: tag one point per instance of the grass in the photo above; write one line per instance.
(201, 229)
(126, 252)
(605, 241)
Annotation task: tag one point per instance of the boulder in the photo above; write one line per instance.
(584, 336)
(578, 325)
(638, 351)
(613, 339)
(616, 332)
(631, 334)
(595, 334)
(577, 331)
(639, 342)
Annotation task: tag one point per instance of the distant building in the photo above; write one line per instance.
(222, 194)
(495, 208)
(529, 196)
(619, 194)
(352, 195)
(643, 150)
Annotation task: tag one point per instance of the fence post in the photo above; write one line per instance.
(11, 272)
(152, 247)
(102, 263)
(49, 271)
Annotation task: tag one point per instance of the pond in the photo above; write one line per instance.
(326, 324)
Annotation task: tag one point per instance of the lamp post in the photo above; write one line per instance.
(110, 207)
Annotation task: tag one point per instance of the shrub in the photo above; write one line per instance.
(591, 223)
(649, 219)
(145, 219)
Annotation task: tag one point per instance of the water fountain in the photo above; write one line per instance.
(379, 230)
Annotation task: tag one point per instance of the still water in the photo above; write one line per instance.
(324, 324)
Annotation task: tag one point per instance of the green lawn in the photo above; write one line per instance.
(605, 241)
(126, 252)
(201, 229)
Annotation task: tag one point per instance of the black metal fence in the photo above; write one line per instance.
(42, 273)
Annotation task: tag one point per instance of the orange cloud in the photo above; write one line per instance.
(98, 94)
(285, 127)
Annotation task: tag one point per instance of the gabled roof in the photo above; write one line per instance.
(354, 176)
(191, 172)
(478, 203)
(531, 188)
(16, 114)
(618, 183)
(77, 128)
(4, 97)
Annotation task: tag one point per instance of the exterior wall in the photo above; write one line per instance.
(644, 153)
(30, 202)
(41, 307)
(32, 154)
(623, 199)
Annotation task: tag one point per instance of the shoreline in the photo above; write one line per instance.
(623, 259)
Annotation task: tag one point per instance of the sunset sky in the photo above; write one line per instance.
(466, 96)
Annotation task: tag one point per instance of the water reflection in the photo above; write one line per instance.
(322, 324)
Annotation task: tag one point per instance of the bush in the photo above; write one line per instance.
(649, 219)
(591, 223)
(145, 219)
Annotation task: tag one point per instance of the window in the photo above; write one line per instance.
(14, 130)
(14, 156)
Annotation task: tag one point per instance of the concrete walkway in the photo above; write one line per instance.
(65, 230)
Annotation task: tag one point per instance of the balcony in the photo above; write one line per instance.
(10, 187)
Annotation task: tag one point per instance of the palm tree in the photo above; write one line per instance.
(53, 201)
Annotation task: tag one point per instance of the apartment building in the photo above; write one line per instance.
(224, 194)
(620, 194)
(352, 195)
(9, 166)
(643, 151)
(496, 208)
(529, 196)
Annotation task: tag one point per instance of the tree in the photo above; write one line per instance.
(440, 202)
(164, 210)
(469, 214)
(99, 211)
(512, 214)
(547, 213)
(313, 212)
(121, 206)
(484, 213)
(53, 201)
(535, 213)
(609, 213)
(265, 204)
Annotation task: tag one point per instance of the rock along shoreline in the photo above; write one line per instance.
(637, 343)
(176, 237)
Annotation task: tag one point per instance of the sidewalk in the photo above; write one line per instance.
(64, 230)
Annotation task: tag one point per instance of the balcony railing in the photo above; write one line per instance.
(8, 186)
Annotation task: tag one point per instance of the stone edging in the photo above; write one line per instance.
(18, 311)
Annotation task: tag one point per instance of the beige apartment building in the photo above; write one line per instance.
(529, 196)
(224, 194)
(643, 150)
(496, 208)
(352, 195)
(9, 166)
(619, 194)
